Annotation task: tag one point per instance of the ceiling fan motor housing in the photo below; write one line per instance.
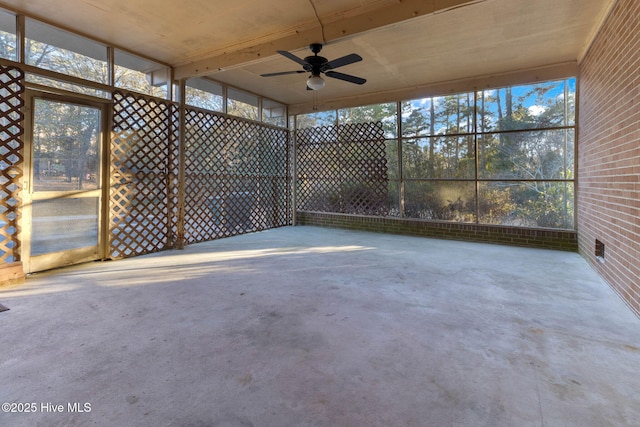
(314, 64)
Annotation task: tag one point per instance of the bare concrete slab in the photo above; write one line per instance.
(304, 326)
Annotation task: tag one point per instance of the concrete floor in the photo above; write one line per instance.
(303, 326)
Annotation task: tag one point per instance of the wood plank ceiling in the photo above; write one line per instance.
(410, 47)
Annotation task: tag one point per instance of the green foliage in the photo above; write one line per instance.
(496, 205)
(311, 120)
(357, 198)
(548, 206)
(66, 145)
(442, 200)
(519, 140)
(384, 113)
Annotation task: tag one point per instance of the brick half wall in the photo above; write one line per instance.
(608, 195)
(539, 238)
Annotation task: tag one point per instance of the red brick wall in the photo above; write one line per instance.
(530, 237)
(608, 202)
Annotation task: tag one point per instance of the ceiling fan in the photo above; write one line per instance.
(317, 65)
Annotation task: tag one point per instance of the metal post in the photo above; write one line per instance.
(400, 178)
(111, 66)
(294, 172)
(20, 38)
(180, 242)
(476, 151)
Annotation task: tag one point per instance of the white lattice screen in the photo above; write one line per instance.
(236, 176)
(144, 175)
(11, 161)
(342, 169)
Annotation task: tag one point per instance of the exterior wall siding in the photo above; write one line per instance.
(608, 195)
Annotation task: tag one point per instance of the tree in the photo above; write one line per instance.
(66, 145)
(533, 152)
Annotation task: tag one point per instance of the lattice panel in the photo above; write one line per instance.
(11, 161)
(342, 169)
(144, 175)
(236, 176)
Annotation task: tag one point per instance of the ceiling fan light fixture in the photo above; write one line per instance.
(315, 82)
(317, 65)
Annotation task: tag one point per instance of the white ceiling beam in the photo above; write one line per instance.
(336, 28)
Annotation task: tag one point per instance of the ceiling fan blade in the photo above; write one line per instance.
(341, 62)
(282, 73)
(345, 77)
(292, 57)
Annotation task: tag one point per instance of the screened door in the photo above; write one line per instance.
(64, 204)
